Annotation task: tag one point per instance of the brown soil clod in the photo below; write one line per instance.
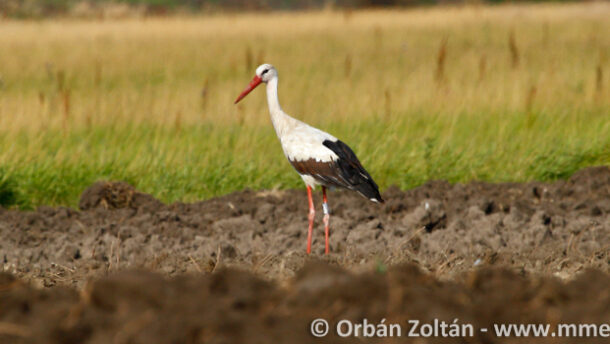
(114, 195)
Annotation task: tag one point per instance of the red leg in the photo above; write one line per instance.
(326, 219)
(312, 213)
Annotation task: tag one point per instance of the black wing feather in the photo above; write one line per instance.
(352, 174)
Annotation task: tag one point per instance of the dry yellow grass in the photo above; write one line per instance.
(154, 69)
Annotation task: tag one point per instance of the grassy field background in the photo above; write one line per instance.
(505, 93)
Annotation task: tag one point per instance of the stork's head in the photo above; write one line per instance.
(264, 73)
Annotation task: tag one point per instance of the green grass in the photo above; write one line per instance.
(123, 100)
(206, 160)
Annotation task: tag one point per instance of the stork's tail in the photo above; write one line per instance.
(369, 190)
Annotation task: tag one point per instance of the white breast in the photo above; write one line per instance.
(305, 142)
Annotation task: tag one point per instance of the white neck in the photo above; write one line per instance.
(281, 121)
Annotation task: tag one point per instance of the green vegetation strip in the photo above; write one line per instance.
(202, 161)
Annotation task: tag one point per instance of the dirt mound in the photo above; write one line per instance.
(553, 228)
(482, 253)
(115, 195)
(232, 306)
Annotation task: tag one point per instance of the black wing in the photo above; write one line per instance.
(350, 173)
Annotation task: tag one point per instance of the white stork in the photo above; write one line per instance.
(320, 158)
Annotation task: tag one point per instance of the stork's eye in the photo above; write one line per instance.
(265, 71)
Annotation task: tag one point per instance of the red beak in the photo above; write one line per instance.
(255, 82)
